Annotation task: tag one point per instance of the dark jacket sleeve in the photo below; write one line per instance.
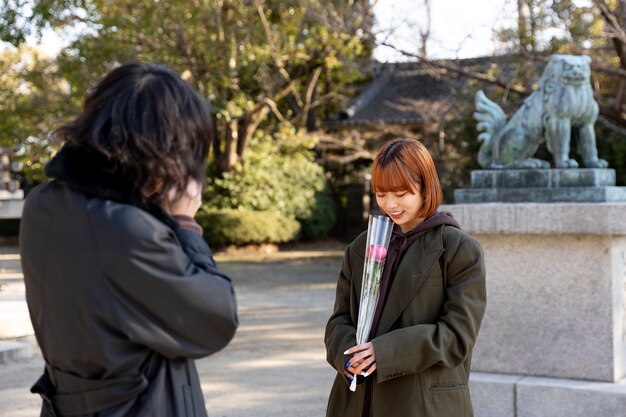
(166, 289)
(340, 330)
(449, 340)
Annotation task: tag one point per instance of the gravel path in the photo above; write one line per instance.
(275, 366)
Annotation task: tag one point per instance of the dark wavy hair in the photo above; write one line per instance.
(150, 123)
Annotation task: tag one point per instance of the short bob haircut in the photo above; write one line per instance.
(150, 123)
(406, 165)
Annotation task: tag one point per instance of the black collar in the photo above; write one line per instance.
(90, 172)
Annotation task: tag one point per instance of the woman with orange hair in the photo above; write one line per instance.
(432, 300)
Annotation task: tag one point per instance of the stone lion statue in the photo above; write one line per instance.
(562, 104)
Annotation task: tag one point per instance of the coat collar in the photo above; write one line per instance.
(413, 270)
(90, 172)
(416, 264)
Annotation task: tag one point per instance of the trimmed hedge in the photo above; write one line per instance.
(279, 174)
(224, 227)
(323, 216)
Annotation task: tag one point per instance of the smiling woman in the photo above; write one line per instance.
(406, 184)
(431, 303)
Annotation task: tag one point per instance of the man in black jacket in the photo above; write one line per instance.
(123, 291)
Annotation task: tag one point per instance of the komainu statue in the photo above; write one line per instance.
(563, 104)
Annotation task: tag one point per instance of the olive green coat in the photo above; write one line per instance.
(427, 330)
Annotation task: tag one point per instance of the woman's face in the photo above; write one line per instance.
(402, 207)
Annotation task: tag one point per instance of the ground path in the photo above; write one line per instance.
(274, 367)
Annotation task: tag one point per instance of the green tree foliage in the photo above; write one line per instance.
(262, 63)
(34, 97)
(251, 58)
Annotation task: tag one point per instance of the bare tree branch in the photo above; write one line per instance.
(273, 52)
(597, 68)
(617, 31)
(310, 94)
(346, 159)
(353, 150)
(461, 71)
(611, 20)
(612, 126)
(331, 142)
(272, 106)
(326, 98)
(425, 33)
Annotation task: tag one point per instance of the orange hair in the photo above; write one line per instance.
(406, 164)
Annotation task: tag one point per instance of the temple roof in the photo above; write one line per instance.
(412, 93)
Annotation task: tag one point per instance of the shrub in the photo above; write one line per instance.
(240, 227)
(278, 174)
(322, 217)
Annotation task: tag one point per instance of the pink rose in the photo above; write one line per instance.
(378, 252)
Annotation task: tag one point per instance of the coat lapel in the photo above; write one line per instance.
(414, 267)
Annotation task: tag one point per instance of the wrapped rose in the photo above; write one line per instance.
(378, 237)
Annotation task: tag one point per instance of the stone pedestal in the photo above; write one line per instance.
(541, 186)
(11, 209)
(497, 395)
(556, 284)
(11, 204)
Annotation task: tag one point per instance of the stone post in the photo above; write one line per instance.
(552, 343)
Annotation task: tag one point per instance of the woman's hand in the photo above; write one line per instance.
(362, 362)
(188, 203)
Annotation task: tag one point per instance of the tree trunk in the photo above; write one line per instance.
(216, 146)
(248, 125)
(425, 32)
(522, 26)
(619, 40)
(228, 158)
